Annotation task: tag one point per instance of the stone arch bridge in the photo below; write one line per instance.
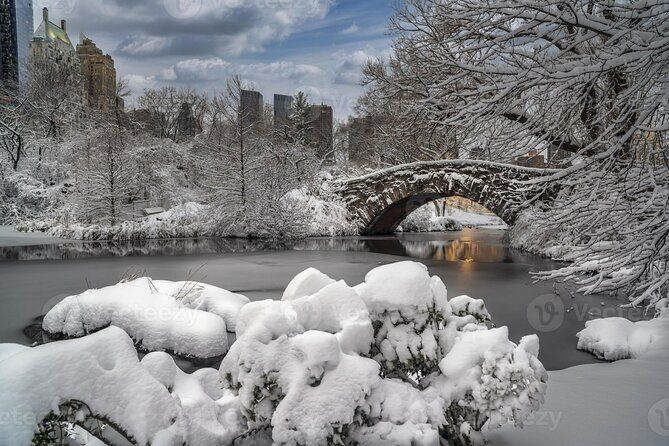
(380, 201)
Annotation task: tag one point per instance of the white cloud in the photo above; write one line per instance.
(349, 66)
(196, 70)
(189, 27)
(353, 29)
(143, 46)
(217, 69)
(285, 69)
(138, 83)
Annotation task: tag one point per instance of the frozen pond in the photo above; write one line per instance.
(473, 262)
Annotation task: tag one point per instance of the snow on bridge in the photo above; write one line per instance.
(380, 200)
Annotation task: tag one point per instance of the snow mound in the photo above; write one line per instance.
(205, 297)
(101, 370)
(211, 415)
(403, 287)
(308, 282)
(616, 338)
(156, 321)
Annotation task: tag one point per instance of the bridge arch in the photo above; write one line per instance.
(381, 200)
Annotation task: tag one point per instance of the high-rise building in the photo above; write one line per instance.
(16, 30)
(187, 125)
(54, 61)
(282, 105)
(360, 132)
(51, 42)
(320, 134)
(252, 108)
(98, 74)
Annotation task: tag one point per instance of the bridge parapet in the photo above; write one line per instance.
(380, 200)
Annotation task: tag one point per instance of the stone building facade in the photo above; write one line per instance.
(98, 74)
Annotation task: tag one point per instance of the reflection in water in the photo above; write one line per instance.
(457, 250)
(469, 245)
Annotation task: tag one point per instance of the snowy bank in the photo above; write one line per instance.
(424, 219)
(617, 404)
(183, 221)
(187, 318)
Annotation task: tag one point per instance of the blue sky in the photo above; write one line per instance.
(281, 46)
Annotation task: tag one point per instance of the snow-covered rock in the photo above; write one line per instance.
(306, 283)
(187, 318)
(101, 370)
(617, 338)
(205, 297)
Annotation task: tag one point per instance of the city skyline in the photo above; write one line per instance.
(313, 46)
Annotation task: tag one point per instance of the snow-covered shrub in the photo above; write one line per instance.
(390, 361)
(422, 338)
(407, 313)
(102, 372)
(295, 365)
(24, 197)
(209, 415)
(186, 318)
(104, 388)
(327, 215)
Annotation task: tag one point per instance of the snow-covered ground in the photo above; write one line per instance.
(619, 404)
(182, 221)
(9, 236)
(424, 219)
(475, 220)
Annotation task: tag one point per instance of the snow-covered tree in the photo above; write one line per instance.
(165, 109)
(581, 77)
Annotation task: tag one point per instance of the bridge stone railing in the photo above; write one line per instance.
(381, 200)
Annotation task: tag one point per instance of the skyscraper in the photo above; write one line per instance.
(99, 75)
(320, 132)
(252, 107)
(282, 105)
(16, 30)
(360, 132)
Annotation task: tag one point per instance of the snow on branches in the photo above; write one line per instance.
(389, 360)
(584, 80)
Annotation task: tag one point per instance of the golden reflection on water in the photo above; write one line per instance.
(457, 250)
